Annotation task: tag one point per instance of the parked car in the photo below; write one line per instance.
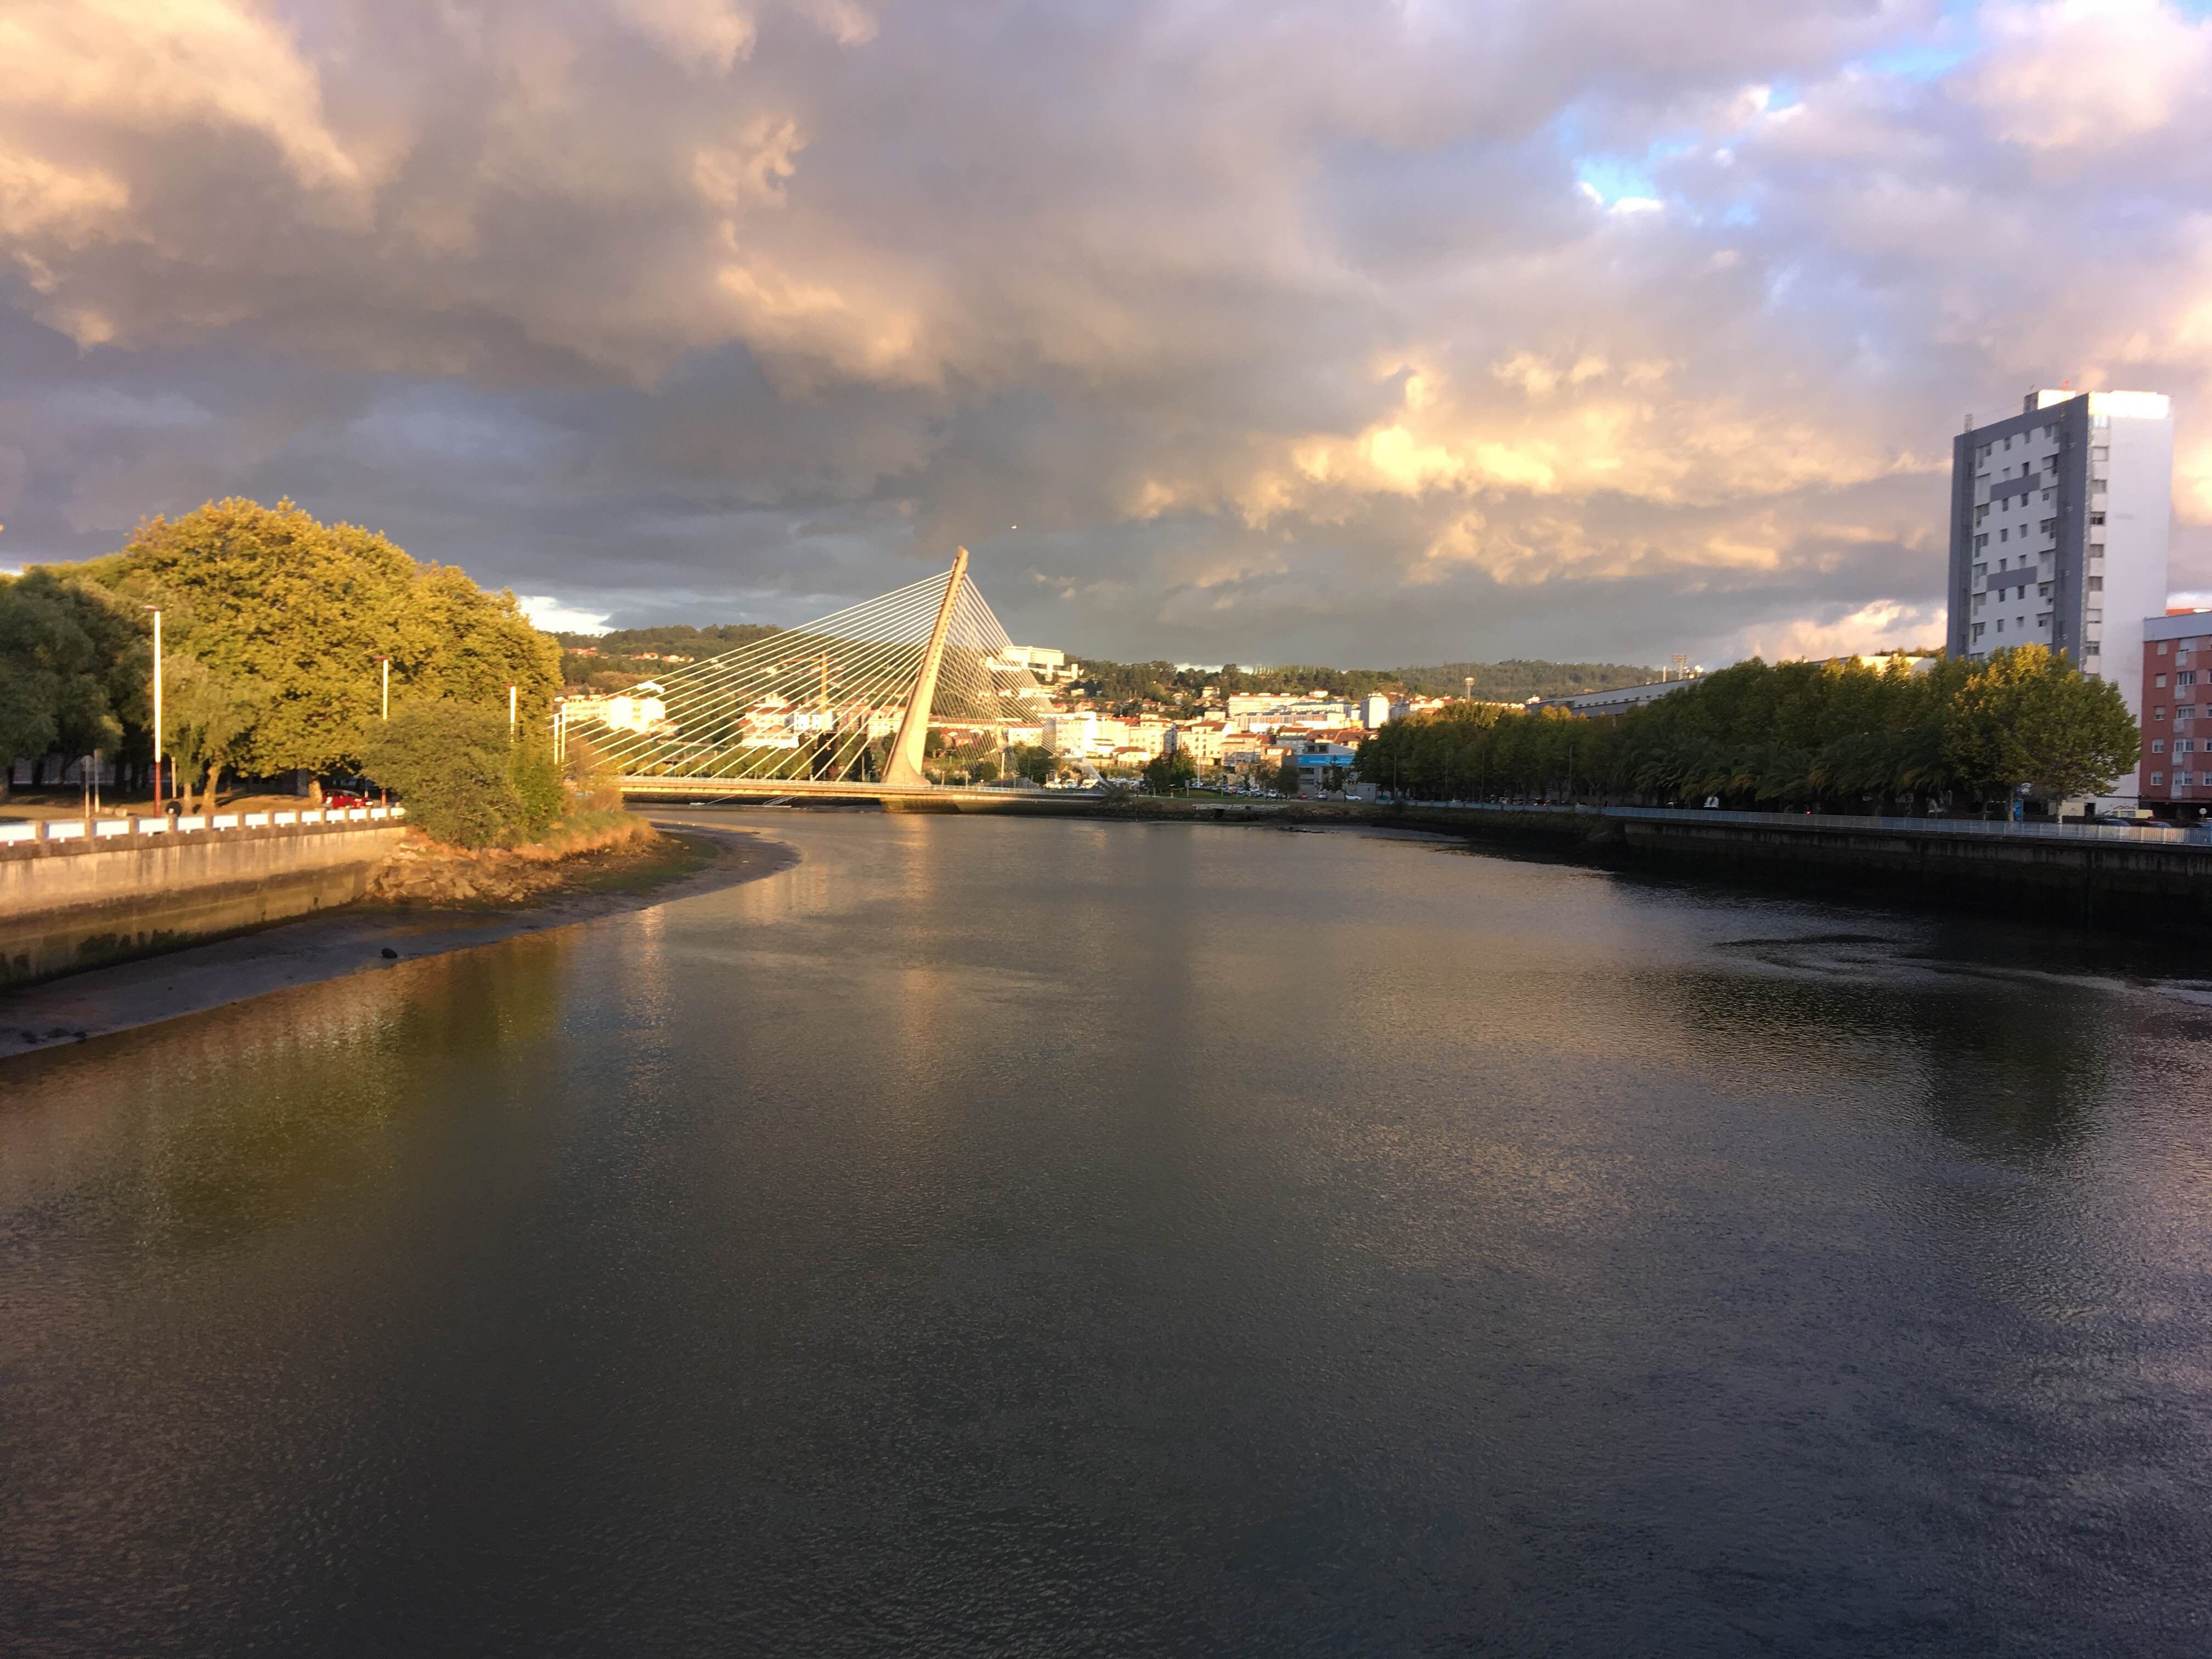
(345, 797)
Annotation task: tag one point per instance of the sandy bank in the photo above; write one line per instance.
(333, 945)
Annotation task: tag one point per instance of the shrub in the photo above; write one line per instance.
(452, 764)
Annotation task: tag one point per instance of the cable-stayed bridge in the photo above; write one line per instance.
(841, 706)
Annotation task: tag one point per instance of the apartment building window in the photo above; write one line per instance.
(2158, 777)
(2184, 745)
(2100, 453)
(1981, 541)
(2158, 681)
(2158, 713)
(1979, 626)
(2043, 590)
(2043, 621)
(1978, 598)
(2158, 745)
(2098, 519)
(2004, 535)
(2163, 646)
(2000, 624)
(2186, 712)
(2048, 526)
(1980, 514)
(2186, 676)
(2096, 584)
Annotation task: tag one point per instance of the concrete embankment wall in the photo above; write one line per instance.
(2137, 883)
(71, 905)
(2106, 883)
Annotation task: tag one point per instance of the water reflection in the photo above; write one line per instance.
(1060, 1237)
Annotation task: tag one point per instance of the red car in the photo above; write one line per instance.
(345, 797)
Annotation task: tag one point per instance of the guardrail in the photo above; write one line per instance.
(187, 823)
(2158, 834)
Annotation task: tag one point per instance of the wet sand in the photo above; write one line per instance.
(332, 945)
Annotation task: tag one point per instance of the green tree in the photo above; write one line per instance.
(1165, 774)
(1286, 778)
(1035, 762)
(267, 597)
(2028, 716)
(74, 668)
(451, 764)
(207, 717)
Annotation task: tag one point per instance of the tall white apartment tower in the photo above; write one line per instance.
(2060, 518)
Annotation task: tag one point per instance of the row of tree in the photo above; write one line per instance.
(273, 627)
(1836, 737)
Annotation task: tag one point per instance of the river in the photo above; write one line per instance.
(1020, 1236)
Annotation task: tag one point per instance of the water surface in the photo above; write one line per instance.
(1096, 1239)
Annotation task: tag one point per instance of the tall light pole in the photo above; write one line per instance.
(156, 610)
(383, 692)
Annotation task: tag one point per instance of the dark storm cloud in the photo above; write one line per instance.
(1280, 330)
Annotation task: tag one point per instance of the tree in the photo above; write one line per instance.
(2028, 716)
(268, 598)
(1286, 780)
(1165, 774)
(207, 717)
(74, 667)
(1035, 762)
(984, 771)
(451, 764)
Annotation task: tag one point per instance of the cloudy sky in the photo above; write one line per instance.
(1355, 332)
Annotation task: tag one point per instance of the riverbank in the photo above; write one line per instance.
(367, 936)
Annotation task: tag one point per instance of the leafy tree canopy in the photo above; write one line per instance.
(269, 598)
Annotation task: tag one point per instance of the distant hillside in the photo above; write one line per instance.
(1519, 679)
(678, 638)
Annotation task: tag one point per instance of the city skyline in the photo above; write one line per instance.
(1240, 333)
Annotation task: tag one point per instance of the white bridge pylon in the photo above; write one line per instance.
(848, 699)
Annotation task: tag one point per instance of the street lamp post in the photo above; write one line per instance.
(384, 695)
(156, 610)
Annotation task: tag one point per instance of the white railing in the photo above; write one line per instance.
(2158, 834)
(187, 823)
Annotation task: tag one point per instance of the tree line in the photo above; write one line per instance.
(273, 625)
(1842, 736)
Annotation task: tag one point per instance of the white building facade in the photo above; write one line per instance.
(2061, 518)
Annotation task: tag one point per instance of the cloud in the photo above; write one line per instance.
(555, 617)
(1308, 330)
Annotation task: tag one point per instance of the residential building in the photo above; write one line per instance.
(1620, 699)
(1204, 741)
(2177, 718)
(1047, 666)
(1374, 710)
(640, 708)
(2060, 516)
(1264, 711)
